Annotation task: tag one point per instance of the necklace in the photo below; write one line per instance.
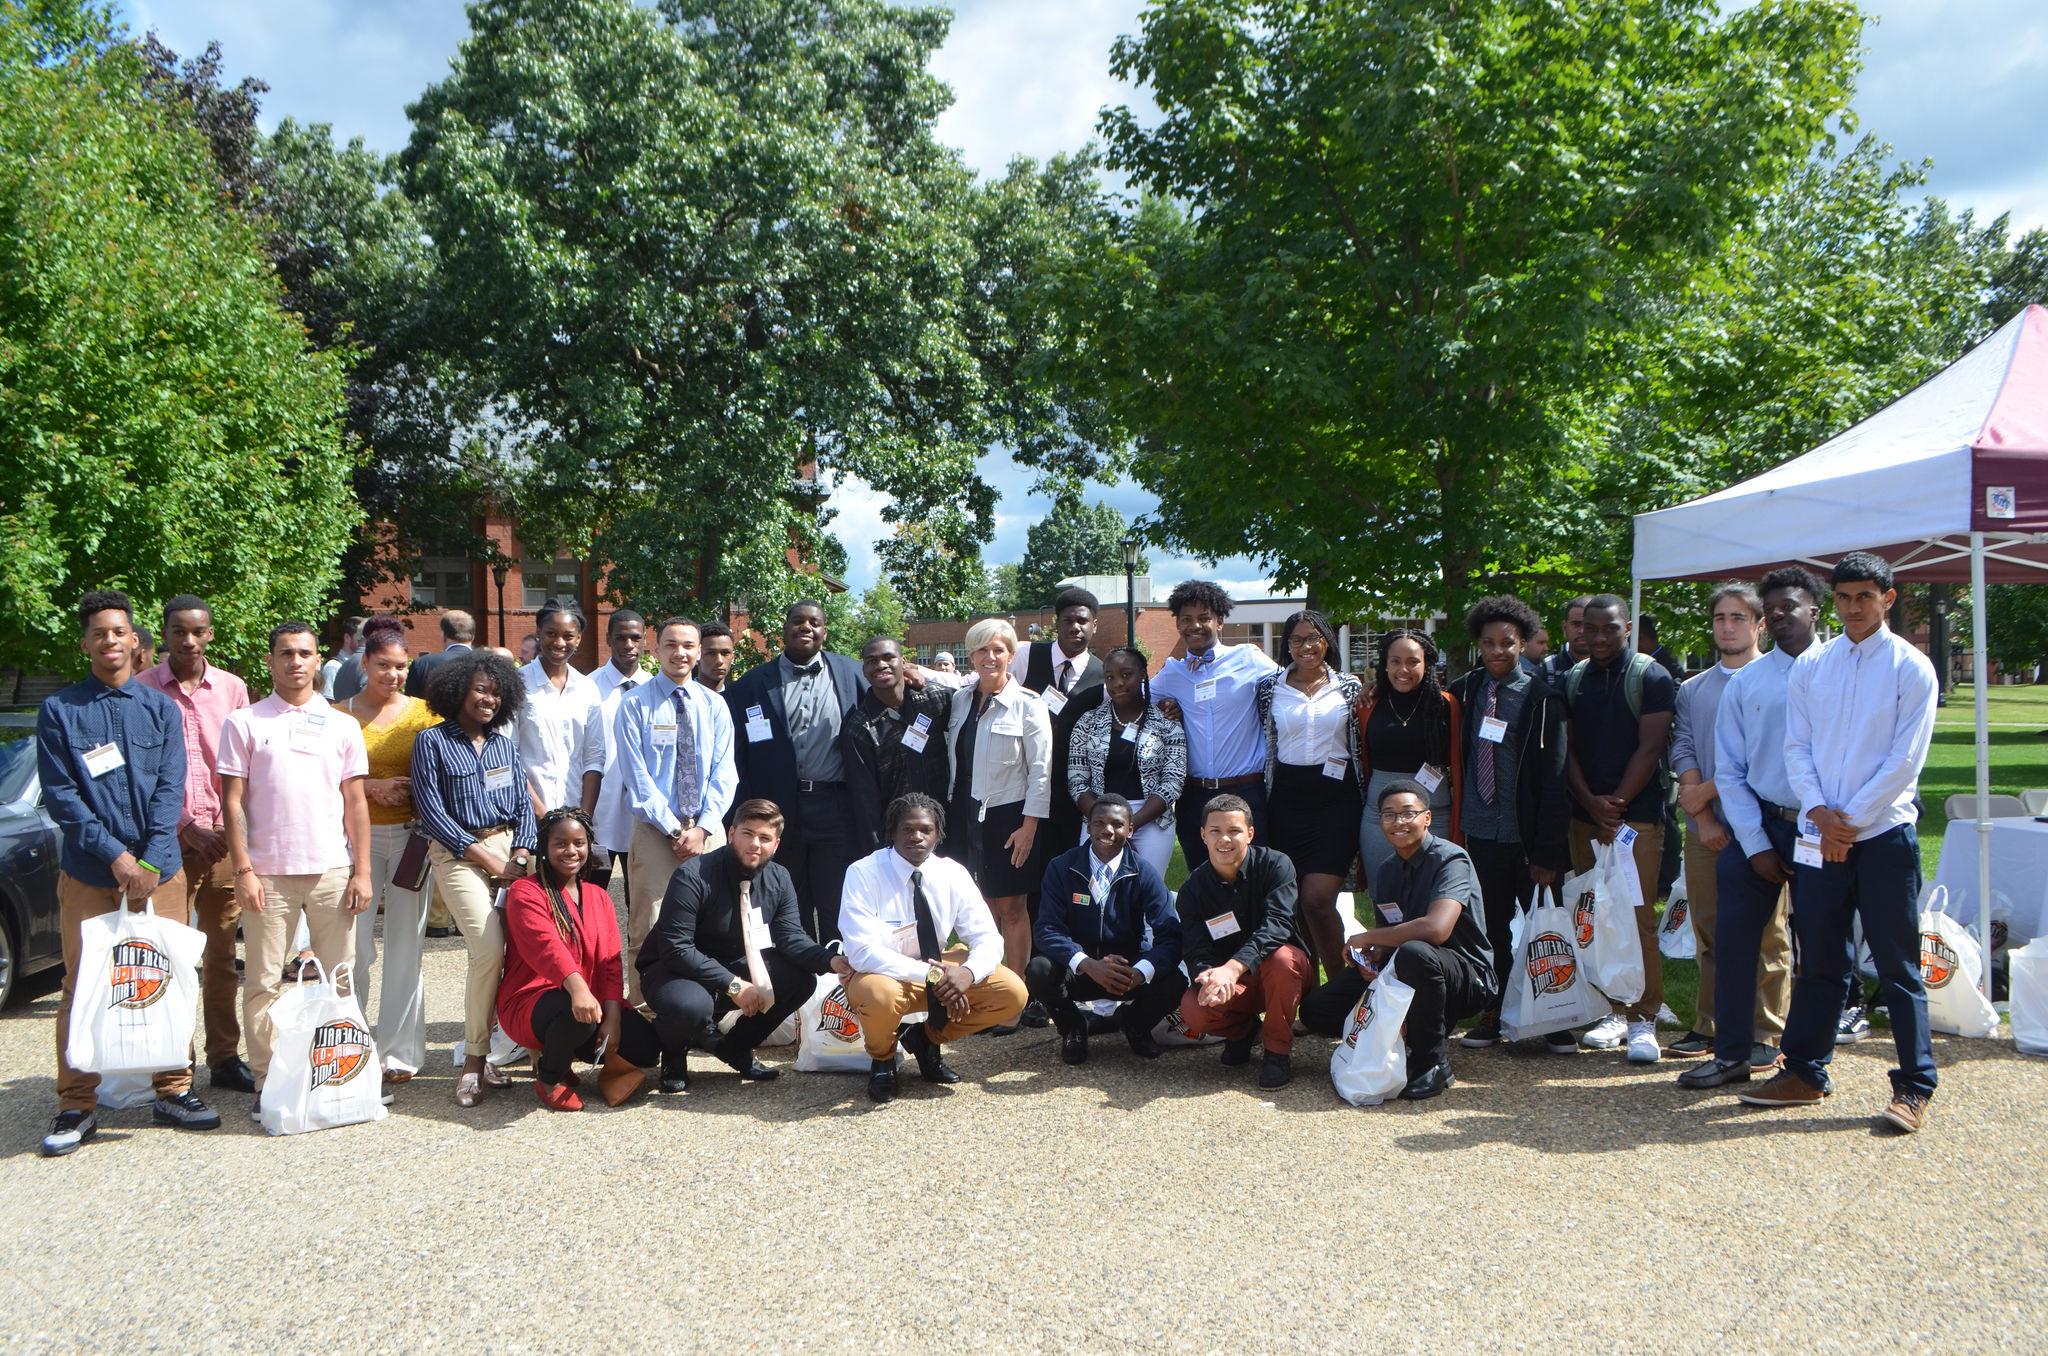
(1413, 711)
(1320, 679)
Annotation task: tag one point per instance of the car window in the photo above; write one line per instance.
(17, 766)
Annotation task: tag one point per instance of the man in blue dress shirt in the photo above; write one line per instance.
(1212, 691)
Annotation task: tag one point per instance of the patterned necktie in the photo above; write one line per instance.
(1105, 872)
(1486, 746)
(686, 793)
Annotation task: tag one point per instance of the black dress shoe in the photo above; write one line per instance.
(232, 1075)
(675, 1076)
(1074, 1045)
(1141, 1043)
(931, 1064)
(1715, 1073)
(1034, 1015)
(1431, 1082)
(881, 1080)
(440, 932)
(749, 1068)
(1276, 1071)
(1238, 1051)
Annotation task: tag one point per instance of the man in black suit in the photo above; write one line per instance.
(700, 962)
(1068, 678)
(786, 716)
(458, 630)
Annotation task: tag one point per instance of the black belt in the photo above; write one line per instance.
(1789, 816)
(1218, 783)
(803, 785)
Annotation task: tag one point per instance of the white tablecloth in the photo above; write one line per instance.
(2019, 875)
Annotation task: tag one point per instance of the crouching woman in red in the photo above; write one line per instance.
(564, 982)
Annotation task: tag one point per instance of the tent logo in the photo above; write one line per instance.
(1553, 965)
(139, 974)
(1938, 960)
(2001, 501)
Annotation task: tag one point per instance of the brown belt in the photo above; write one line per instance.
(1218, 783)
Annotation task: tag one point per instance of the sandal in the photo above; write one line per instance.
(468, 1090)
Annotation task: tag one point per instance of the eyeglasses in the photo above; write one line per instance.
(1401, 816)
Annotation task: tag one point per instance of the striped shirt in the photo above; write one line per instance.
(456, 791)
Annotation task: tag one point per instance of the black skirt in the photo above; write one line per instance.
(978, 846)
(1313, 819)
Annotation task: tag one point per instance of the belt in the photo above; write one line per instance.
(803, 785)
(1789, 816)
(487, 832)
(1217, 783)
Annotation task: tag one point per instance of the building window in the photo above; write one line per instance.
(540, 581)
(442, 582)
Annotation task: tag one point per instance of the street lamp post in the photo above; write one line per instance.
(1130, 590)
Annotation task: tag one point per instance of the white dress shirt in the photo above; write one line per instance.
(1310, 730)
(1858, 722)
(551, 728)
(612, 816)
(1219, 708)
(607, 678)
(877, 907)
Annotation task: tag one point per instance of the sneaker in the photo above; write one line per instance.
(1908, 1111)
(68, 1131)
(1642, 1043)
(256, 1111)
(1606, 1034)
(1692, 1045)
(233, 1075)
(1853, 1026)
(1561, 1043)
(1483, 1035)
(185, 1112)
(1785, 1089)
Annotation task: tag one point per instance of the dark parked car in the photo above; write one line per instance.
(29, 938)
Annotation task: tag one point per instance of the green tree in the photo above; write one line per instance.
(1409, 232)
(164, 425)
(879, 613)
(1074, 538)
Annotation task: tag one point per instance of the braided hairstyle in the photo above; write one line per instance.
(558, 896)
(1136, 656)
(1430, 701)
(1331, 657)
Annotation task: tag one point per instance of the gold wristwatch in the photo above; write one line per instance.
(936, 973)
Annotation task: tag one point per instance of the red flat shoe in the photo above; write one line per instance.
(557, 1097)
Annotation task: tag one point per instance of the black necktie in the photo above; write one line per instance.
(927, 942)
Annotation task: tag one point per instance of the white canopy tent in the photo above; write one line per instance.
(1949, 482)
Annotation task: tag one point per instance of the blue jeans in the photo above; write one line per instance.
(1879, 885)
(1746, 904)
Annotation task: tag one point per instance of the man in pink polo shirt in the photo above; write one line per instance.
(292, 770)
(205, 696)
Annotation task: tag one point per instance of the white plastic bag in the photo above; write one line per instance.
(136, 997)
(1952, 968)
(1370, 1063)
(785, 1034)
(828, 1036)
(324, 1071)
(1172, 1032)
(2030, 997)
(123, 1091)
(1549, 989)
(1675, 936)
(1604, 902)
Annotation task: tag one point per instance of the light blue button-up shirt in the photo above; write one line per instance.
(1858, 723)
(1218, 708)
(1749, 748)
(649, 766)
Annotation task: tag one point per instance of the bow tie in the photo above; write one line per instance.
(809, 670)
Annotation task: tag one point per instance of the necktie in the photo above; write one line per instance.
(686, 761)
(1066, 675)
(1486, 746)
(927, 942)
(757, 973)
(1099, 887)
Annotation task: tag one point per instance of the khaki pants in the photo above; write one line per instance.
(1648, 852)
(268, 939)
(76, 902)
(651, 863)
(1774, 962)
(210, 895)
(880, 1003)
(470, 897)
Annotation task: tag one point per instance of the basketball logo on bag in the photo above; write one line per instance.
(1358, 1027)
(1582, 918)
(339, 1052)
(1938, 960)
(1553, 965)
(1674, 915)
(139, 974)
(835, 1019)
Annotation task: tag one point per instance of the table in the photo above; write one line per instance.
(2019, 876)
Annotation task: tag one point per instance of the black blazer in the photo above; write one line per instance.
(697, 934)
(1086, 696)
(422, 670)
(1536, 743)
(768, 769)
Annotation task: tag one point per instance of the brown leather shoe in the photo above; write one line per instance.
(1785, 1089)
(1908, 1111)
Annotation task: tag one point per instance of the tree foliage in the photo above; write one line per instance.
(1074, 538)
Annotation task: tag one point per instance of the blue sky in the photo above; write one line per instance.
(1964, 83)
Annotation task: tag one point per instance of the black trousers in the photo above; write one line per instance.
(818, 846)
(1187, 815)
(1448, 988)
(564, 1040)
(1144, 1007)
(687, 1012)
(1504, 884)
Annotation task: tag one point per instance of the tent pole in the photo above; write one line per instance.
(1635, 615)
(1979, 669)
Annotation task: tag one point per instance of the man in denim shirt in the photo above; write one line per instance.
(111, 758)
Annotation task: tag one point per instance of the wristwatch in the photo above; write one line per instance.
(936, 973)
(684, 825)
(732, 990)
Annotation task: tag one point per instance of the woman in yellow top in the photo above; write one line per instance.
(391, 721)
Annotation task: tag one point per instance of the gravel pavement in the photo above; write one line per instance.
(1543, 1204)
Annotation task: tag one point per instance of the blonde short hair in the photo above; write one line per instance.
(987, 629)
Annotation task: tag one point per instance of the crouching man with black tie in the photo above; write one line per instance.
(901, 904)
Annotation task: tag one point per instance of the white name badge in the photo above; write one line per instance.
(1055, 700)
(905, 941)
(309, 735)
(104, 759)
(1127, 733)
(757, 726)
(1428, 778)
(757, 923)
(497, 778)
(1335, 767)
(1206, 691)
(663, 734)
(1223, 925)
(1392, 913)
(916, 737)
(1492, 729)
(1806, 852)
(1624, 836)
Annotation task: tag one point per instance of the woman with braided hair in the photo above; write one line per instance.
(1408, 730)
(564, 988)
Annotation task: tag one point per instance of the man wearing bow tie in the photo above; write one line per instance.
(1211, 690)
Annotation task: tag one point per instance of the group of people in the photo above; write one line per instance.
(970, 852)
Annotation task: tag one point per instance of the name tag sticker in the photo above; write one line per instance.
(309, 735)
(1223, 925)
(905, 941)
(918, 735)
(757, 726)
(1082, 898)
(104, 759)
(921, 721)
(1624, 836)
(1335, 767)
(497, 778)
(1206, 691)
(1394, 914)
(1428, 778)
(1806, 852)
(663, 734)
(1492, 729)
(1055, 700)
(1127, 733)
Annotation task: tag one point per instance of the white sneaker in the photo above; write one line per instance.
(1605, 1034)
(1642, 1043)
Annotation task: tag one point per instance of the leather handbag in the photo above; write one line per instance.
(410, 872)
